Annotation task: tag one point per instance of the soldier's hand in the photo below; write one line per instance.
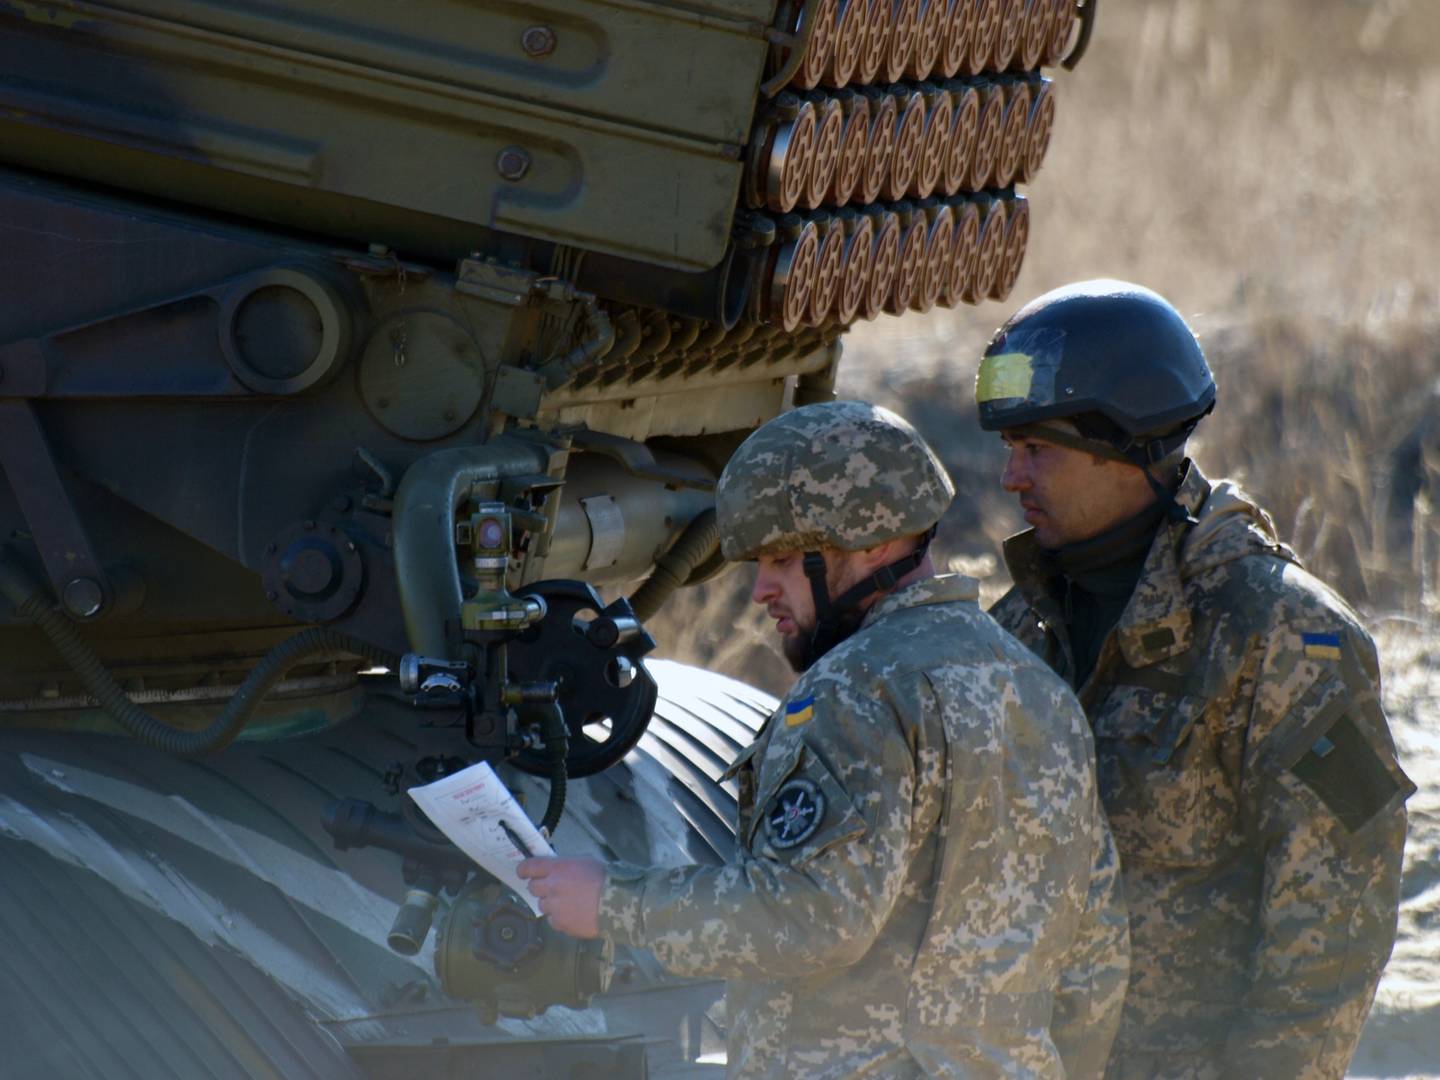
(568, 891)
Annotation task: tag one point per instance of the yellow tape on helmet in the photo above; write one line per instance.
(1004, 375)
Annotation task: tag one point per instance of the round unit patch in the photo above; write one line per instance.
(798, 810)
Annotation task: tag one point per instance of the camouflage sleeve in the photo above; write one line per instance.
(1091, 992)
(798, 903)
(1328, 799)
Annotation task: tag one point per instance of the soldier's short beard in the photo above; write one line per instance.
(802, 648)
(796, 650)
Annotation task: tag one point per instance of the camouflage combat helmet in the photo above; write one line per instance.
(842, 475)
(1114, 359)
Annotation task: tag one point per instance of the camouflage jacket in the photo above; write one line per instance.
(924, 883)
(1251, 783)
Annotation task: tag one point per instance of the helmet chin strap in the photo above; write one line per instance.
(1148, 453)
(1174, 511)
(836, 620)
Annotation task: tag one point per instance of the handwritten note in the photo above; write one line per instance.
(480, 816)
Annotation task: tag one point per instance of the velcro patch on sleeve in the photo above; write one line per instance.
(1344, 770)
(800, 712)
(796, 814)
(809, 814)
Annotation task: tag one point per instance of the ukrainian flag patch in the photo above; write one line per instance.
(800, 712)
(1322, 646)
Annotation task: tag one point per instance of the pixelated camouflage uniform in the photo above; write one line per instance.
(1251, 783)
(923, 881)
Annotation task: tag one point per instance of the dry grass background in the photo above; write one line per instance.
(1273, 167)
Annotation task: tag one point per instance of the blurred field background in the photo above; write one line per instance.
(1274, 169)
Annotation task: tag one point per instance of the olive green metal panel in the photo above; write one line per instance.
(662, 66)
(617, 129)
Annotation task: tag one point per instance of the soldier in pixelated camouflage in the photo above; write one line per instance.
(1245, 763)
(924, 884)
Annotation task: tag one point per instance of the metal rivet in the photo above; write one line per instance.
(512, 163)
(1070, 390)
(83, 597)
(538, 41)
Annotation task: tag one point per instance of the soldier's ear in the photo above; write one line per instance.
(873, 558)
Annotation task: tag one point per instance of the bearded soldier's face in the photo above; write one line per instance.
(782, 587)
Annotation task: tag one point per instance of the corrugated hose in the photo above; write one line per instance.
(32, 601)
(696, 544)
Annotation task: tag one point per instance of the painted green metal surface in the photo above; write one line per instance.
(611, 126)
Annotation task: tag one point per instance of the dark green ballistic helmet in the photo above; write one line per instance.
(1115, 359)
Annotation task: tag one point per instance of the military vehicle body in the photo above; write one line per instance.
(347, 351)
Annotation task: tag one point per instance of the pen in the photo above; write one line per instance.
(515, 838)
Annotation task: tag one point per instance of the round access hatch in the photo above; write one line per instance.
(422, 375)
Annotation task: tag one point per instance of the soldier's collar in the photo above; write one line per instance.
(1156, 623)
(1028, 567)
(1194, 488)
(941, 589)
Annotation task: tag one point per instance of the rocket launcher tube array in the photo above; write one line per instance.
(894, 101)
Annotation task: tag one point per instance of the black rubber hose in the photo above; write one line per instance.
(30, 601)
(696, 544)
(557, 745)
(564, 369)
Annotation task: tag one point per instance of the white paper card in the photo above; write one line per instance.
(480, 816)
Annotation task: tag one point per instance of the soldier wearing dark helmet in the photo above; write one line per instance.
(923, 883)
(1244, 760)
